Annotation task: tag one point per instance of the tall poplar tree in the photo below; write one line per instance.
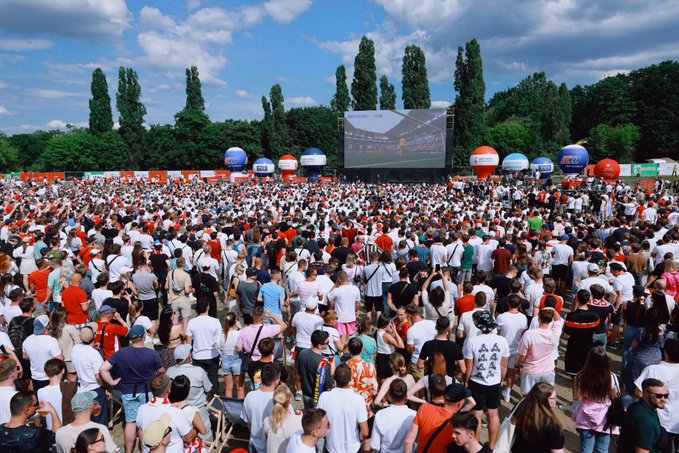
(191, 121)
(415, 84)
(364, 85)
(469, 126)
(132, 111)
(387, 94)
(101, 117)
(194, 91)
(341, 100)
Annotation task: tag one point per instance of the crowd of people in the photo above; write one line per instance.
(344, 316)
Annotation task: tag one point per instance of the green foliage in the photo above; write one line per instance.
(132, 111)
(415, 84)
(387, 94)
(163, 151)
(314, 127)
(194, 92)
(470, 105)
(616, 142)
(31, 146)
(81, 151)
(273, 129)
(101, 117)
(9, 156)
(364, 85)
(341, 101)
(509, 137)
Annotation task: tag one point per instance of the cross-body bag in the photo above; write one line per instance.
(371, 276)
(452, 254)
(435, 435)
(174, 285)
(247, 357)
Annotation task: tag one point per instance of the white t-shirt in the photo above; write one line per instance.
(11, 312)
(418, 334)
(668, 373)
(51, 394)
(39, 349)
(511, 326)
(116, 264)
(256, 407)
(5, 341)
(295, 445)
(345, 297)
(86, 361)
(490, 294)
(624, 283)
(345, 409)
(205, 331)
(305, 324)
(277, 440)
(68, 434)
(533, 293)
(467, 323)
(99, 295)
(6, 394)
(455, 252)
(487, 352)
(562, 253)
(390, 429)
(181, 426)
(588, 282)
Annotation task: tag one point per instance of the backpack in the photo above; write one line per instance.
(17, 333)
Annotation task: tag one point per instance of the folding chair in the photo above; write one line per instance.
(227, 412)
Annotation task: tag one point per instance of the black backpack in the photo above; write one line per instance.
(17, 333)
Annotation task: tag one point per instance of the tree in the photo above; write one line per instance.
(273, 129)
(132, 111)
(101, 117)
(9, 156)
(415, 83)
(387, 94)
(470, 106)
(31, 146)
(617, 142)
(364, 85)
(509, 137)
(244, 134)
(314, 127)
(194, 93)
(566, 108)
(341, 101)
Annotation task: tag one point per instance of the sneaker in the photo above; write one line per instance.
(298, 396)
(507, 394)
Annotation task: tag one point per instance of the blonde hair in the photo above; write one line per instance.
(282, 398)
(398, 364)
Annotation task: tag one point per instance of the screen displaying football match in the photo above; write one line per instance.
(395, 139)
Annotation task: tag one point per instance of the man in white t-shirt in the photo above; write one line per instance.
(511, 325)
(421, 331)
(117, 264)
(347, 414)
(9, 372)
(486, 357)
(480, 286)
(182, 429)
(39, 348)
(315, 426)
(391, 425)
(87, 361)
(304, 323)
(466, 327)
(344, 297)
(562, 260)
(258, 405)
(204, 333)
(55, 370)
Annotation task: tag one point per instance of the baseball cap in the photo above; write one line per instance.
(40, 324)
(106, 310)
(136, 331)
(82, 401)
(181, 352)
(564, 237)
(311, 303)
(88, 332)
(593, 268)
(456, 392)
(484, 321)
(154, 433)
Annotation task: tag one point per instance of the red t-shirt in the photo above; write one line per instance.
(39, 279)
(428, 419)
(110, 343)
(71, 298)
(502, 258)
(385, 243)
(465, 304)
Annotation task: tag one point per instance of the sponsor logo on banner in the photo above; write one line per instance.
(316, 160)
(261, 168)
(571, 160)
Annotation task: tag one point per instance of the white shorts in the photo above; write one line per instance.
(529, 380)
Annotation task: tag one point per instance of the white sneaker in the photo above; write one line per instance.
(507, 394)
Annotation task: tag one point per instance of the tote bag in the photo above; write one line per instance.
(505, 438)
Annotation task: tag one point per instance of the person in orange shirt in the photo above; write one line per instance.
(549, 284)
(37, 282)
(466, 302)
(85, 254)
(75, 302)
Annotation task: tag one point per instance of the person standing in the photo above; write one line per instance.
(18, 436)
(38, 348)
(258, 405)
(537, 350)
(315, 426)
(641, 428)
(344, 298)
(421, 331)
(75, 302)
(248, 291)
(86, 362)
(204, 333)
(178, 286)
(486, 357)
(84, 405)
(205, 285)
(146, 286)
(511, 325)
(9, 372)
(314, 372)
(391, 425)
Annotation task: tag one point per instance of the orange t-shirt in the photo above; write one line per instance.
(559, 302)
(110, 342)
(39, 279)
(465, 304)
(428, 419)
(71, 298)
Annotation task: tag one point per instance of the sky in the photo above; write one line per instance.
(49, 48)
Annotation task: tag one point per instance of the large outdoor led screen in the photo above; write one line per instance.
(395, 139)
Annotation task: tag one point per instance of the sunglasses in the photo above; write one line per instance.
(660, 395)
(100, 439)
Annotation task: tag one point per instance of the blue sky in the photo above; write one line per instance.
(48, 48)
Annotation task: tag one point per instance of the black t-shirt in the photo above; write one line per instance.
(452, 448)
(307, 366)
(450, 350)
(501, 283)
(413, 268)
(402, 293)
(341, 254)
(580, 325)
(604, 310)
(159, 264)
(503, 306)
(550, 439)
(121, 305)
(255, 367)
(26, 439)
(205, 285)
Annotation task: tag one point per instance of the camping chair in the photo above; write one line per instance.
(227, 412)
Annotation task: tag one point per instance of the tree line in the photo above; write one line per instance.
(629, 117)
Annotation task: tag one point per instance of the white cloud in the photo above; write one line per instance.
(154, 19)
(243, 94)
(286, 11)
(53, 94)
(50, 125)
(93, 19)
(440, 104)
(80, 67)
(19, 45)
(193, 4)
(5, 112)
(301, 100)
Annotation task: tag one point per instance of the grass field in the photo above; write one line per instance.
(393, 160)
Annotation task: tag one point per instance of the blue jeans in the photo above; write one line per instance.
(593, 442)
(53, 306)
(211, 367)
(601, 338)
(385, 291)
(630, 333)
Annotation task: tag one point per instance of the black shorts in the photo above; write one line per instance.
(486, 396)
(560, 272)
(150, 309)
(375, 302)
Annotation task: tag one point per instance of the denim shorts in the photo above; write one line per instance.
(232, 364)
(131, 405)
